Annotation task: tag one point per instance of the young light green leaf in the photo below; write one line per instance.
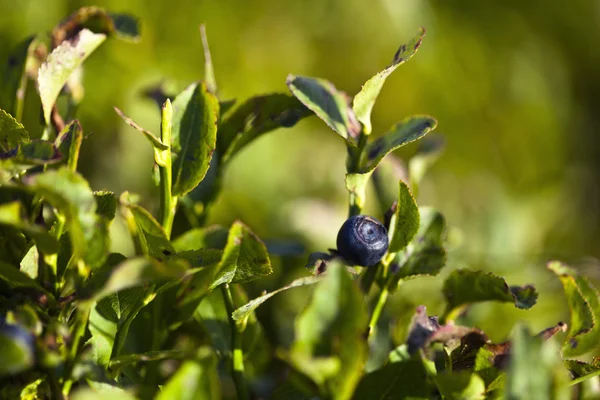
(70, 193)
(12, 133)
(95, 393)
(584, 303)
(463, 287)
(245, 257)
(255, 117)
(365, 99)
(68, 143)
(245, 310)
(535, 370)
(405, 132)
(402, 380)
(194, 135)
(209, 71)
(329, 342)
(328, 103)
(194, 380)
(61, 63)
(405, 222)
(425, 254)
(149, 237)
(13, 78)
(462, 385)
(13, 214)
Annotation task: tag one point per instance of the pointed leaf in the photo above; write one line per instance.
(209, 71)
(425, 255)
(584, 303)
(12, 133)
(328, 103)
(129, 359)
(406, 220)
(463, 287)
(405, 132)
(211, 237)
(194, 380)
(365, 99)
(255, 117)
(329, 342)
(70, 193)
(13, 77)
(61, 63)
(194, 135)
(245, 310)
(68, 143)
(154, 141)
(106, 204)
(13, 214)
(27, 155)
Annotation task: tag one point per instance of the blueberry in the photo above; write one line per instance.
(362, 240)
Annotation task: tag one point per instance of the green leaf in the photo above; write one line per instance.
(149, 236)
(405, 132)
(194, 380)
(584, 303)
(356, 185)
(17, 349)
(209, 71)
(330, 345)
(463, 287)
(98, 20)
(194, 135)
(12, 133)
(13, 77)
(106, 204)
(13, 214)
(535, 369)
(68, 142)
(61, 63)
(580, 368)
(70, 193)
(27, 155)
(153, 139)
(16, 279)
(245, 257)
(129, 359)
(328, 103)
(256, 116)
(211, 237)
(406, 220)
(425, 254)
(461, 385)
(95, 393)
(245, 310)
(398, 380)
(365, 99)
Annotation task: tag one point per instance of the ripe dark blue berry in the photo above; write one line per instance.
(362, 240)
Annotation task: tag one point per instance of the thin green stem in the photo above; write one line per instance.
(168, 202)
(381, 300)
(584, 378)
(83, 314)
(237, 359)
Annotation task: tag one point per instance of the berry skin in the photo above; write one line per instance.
(362, 240)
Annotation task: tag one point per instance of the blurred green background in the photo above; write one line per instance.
(515, 87)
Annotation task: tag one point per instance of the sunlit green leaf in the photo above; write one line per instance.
(209, 71)
(27, 155)
(211, 237)
(194, 135)
(151, 137)
(328, 103)
(584, 302)
(70, 193)
(14, 215)
(68, 143)
(365, 99)
(256, 116)
(61, 63)
(463, 287)
(102, 392)
(330, 345)
(405, 132)
(405, 221)
(460, 386)
(248, 308)
(194, 380)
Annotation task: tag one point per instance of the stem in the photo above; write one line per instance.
(352, 167)
(78, 333)
(584, 378)
(237, 359)
(381, 300)
(168, 202)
